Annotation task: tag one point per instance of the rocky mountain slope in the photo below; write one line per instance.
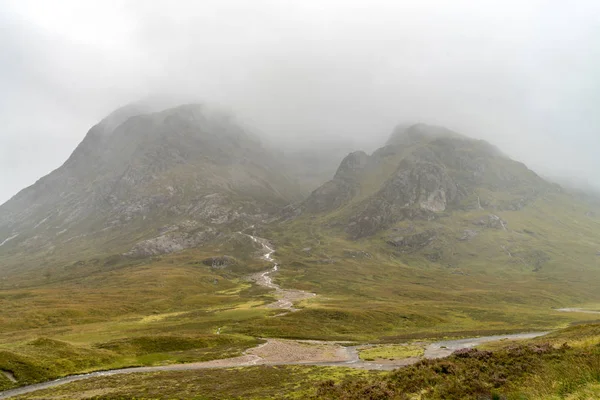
(421, 173)
(146, 183)
(434, 200)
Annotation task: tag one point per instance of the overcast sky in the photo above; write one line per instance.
(522, 74)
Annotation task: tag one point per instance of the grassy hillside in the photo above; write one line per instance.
(91, 316)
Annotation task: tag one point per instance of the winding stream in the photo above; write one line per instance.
(578, 310)
(285, 297)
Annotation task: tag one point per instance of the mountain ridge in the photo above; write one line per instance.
(148, 183)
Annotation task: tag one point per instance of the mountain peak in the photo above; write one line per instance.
(189, 166)
(422, 172)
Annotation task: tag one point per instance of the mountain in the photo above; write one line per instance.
(146, 183)
(422, 172)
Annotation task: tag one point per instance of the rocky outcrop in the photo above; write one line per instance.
(411, 243)
(418, 190)
(422, 184)
(352, 165)
(219, 262)
(492, 221)
(468, 234)
(172, 242)
(379, 214)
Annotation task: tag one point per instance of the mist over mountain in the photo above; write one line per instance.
(520, 76)
(187, 169)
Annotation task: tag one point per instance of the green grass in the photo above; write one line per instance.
(391, 352)
(162, 311)
(45, 359)
(290, 382)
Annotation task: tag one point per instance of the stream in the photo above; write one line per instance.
(285, 297)
(578, 310)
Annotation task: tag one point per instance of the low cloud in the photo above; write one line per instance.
(523, 75)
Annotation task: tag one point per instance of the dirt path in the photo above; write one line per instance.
(285, 297)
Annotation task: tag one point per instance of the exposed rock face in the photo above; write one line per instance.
(417, 190)
(423, 184)
(352, 165)
(171, 242)
(379, 214)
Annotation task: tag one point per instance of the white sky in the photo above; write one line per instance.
(524, 75)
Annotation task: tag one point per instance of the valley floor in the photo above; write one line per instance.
(561, 365)
(277, 352)
(178, 319)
